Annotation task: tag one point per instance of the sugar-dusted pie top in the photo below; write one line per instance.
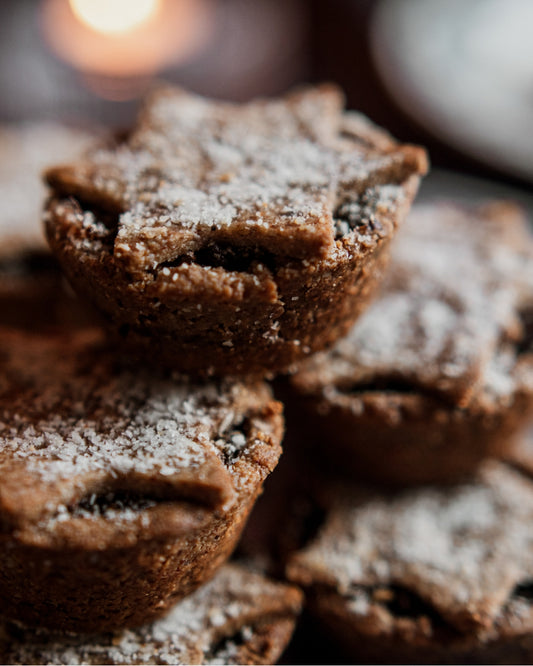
(268, 174)
(209, 626)
(448, 318)
(76, 428)
(461, 550)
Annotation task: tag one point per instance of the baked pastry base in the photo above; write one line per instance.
(238, 617)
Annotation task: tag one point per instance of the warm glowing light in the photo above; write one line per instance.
(113, 16)
(116, 63)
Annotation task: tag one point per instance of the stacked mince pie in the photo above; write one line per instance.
(213, 247)
(423, 552)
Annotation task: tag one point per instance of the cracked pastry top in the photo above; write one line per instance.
(265, 174)
(238, 617)
(453, 314)
(214, 199)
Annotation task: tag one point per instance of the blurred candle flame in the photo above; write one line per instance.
(115, 16)
(119, 45)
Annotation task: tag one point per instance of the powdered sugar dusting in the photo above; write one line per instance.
(68, 413)
(193, 168)
(462, 549)
(451, 299)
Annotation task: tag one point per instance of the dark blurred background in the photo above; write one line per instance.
(455, 76)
